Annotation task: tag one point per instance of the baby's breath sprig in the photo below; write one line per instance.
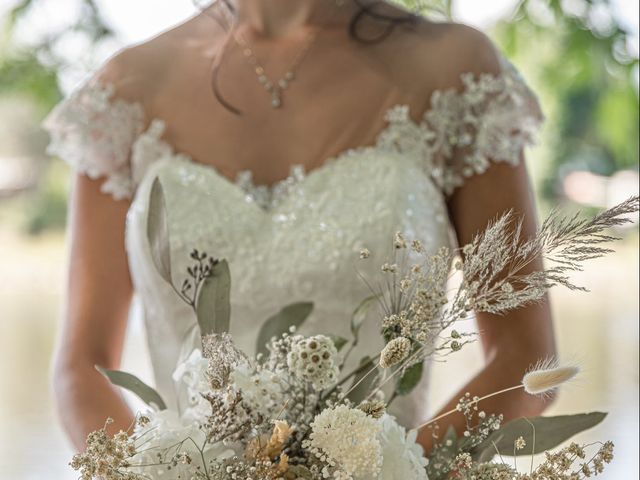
(106, 456)
(568, 463)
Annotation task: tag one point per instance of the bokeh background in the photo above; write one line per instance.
(581, 56)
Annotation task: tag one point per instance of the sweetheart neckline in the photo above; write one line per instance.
(266, 196)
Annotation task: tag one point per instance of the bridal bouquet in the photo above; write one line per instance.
(296, 412)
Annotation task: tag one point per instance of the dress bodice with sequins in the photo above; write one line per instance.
(297, 240)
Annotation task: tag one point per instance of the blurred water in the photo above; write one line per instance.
(599, 329)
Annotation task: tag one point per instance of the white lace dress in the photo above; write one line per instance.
(299, 239)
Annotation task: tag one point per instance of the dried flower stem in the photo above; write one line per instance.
(454, 410)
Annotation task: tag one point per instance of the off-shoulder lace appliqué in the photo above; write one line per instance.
(94, 133)
(492, 118)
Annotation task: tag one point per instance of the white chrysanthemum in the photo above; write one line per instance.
(191, 381)
(402, 456)
(262, 390)
(314, 360)
(346, 439)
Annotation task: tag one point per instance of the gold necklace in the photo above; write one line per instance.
(276, 88)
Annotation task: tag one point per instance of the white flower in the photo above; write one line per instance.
(192, 371)
(402, 456)
(346, 439)
(191, 381)
(314, 360)
(399, 241)
(262, 390)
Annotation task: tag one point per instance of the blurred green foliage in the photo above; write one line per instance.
(580, 56)
(24, 74)
(32, 69)
(575, 54)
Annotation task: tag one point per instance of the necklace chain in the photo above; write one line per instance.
(276, 88)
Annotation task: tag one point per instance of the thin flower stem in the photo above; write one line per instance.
(354, 372)
(348, 352)
(533, 447)
(454, 410)
(371, 370)
(204, 462)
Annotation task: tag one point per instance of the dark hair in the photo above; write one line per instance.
(368, 10)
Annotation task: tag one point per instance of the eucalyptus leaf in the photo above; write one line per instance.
(158, 231)
(549, 433)
(443, 453)
(363, 388)
(451, 440)
(410, 379)
(291, 315)
(360, 315)
(338, 341)
(214, 303)
(132, 383)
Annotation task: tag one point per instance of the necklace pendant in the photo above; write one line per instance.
(276, 99)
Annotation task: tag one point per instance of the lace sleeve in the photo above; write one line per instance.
(94, 132)
(491, 119)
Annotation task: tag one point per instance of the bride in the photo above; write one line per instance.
(289, 135)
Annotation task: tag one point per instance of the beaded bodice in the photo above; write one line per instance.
(297, 240)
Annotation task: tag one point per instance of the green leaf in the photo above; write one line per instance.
(360, 315)
(410, 379)
(338, 341)
(549, 433)
(448, 446)
(214, 303)
(363, 388)
(291, 315)
(442, 455)
(158, 231)
(132, 383)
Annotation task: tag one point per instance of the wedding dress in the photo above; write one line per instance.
(297, 240)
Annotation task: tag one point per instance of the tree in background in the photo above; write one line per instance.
(576, 53)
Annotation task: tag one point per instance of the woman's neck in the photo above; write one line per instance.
(274, 18)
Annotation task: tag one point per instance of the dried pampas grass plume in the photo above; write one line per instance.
(548, 376)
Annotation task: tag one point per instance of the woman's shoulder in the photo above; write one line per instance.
(425, 55)
(446, 51)
(138, 72)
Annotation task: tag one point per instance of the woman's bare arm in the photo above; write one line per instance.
(98, 299)
(512, 343)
